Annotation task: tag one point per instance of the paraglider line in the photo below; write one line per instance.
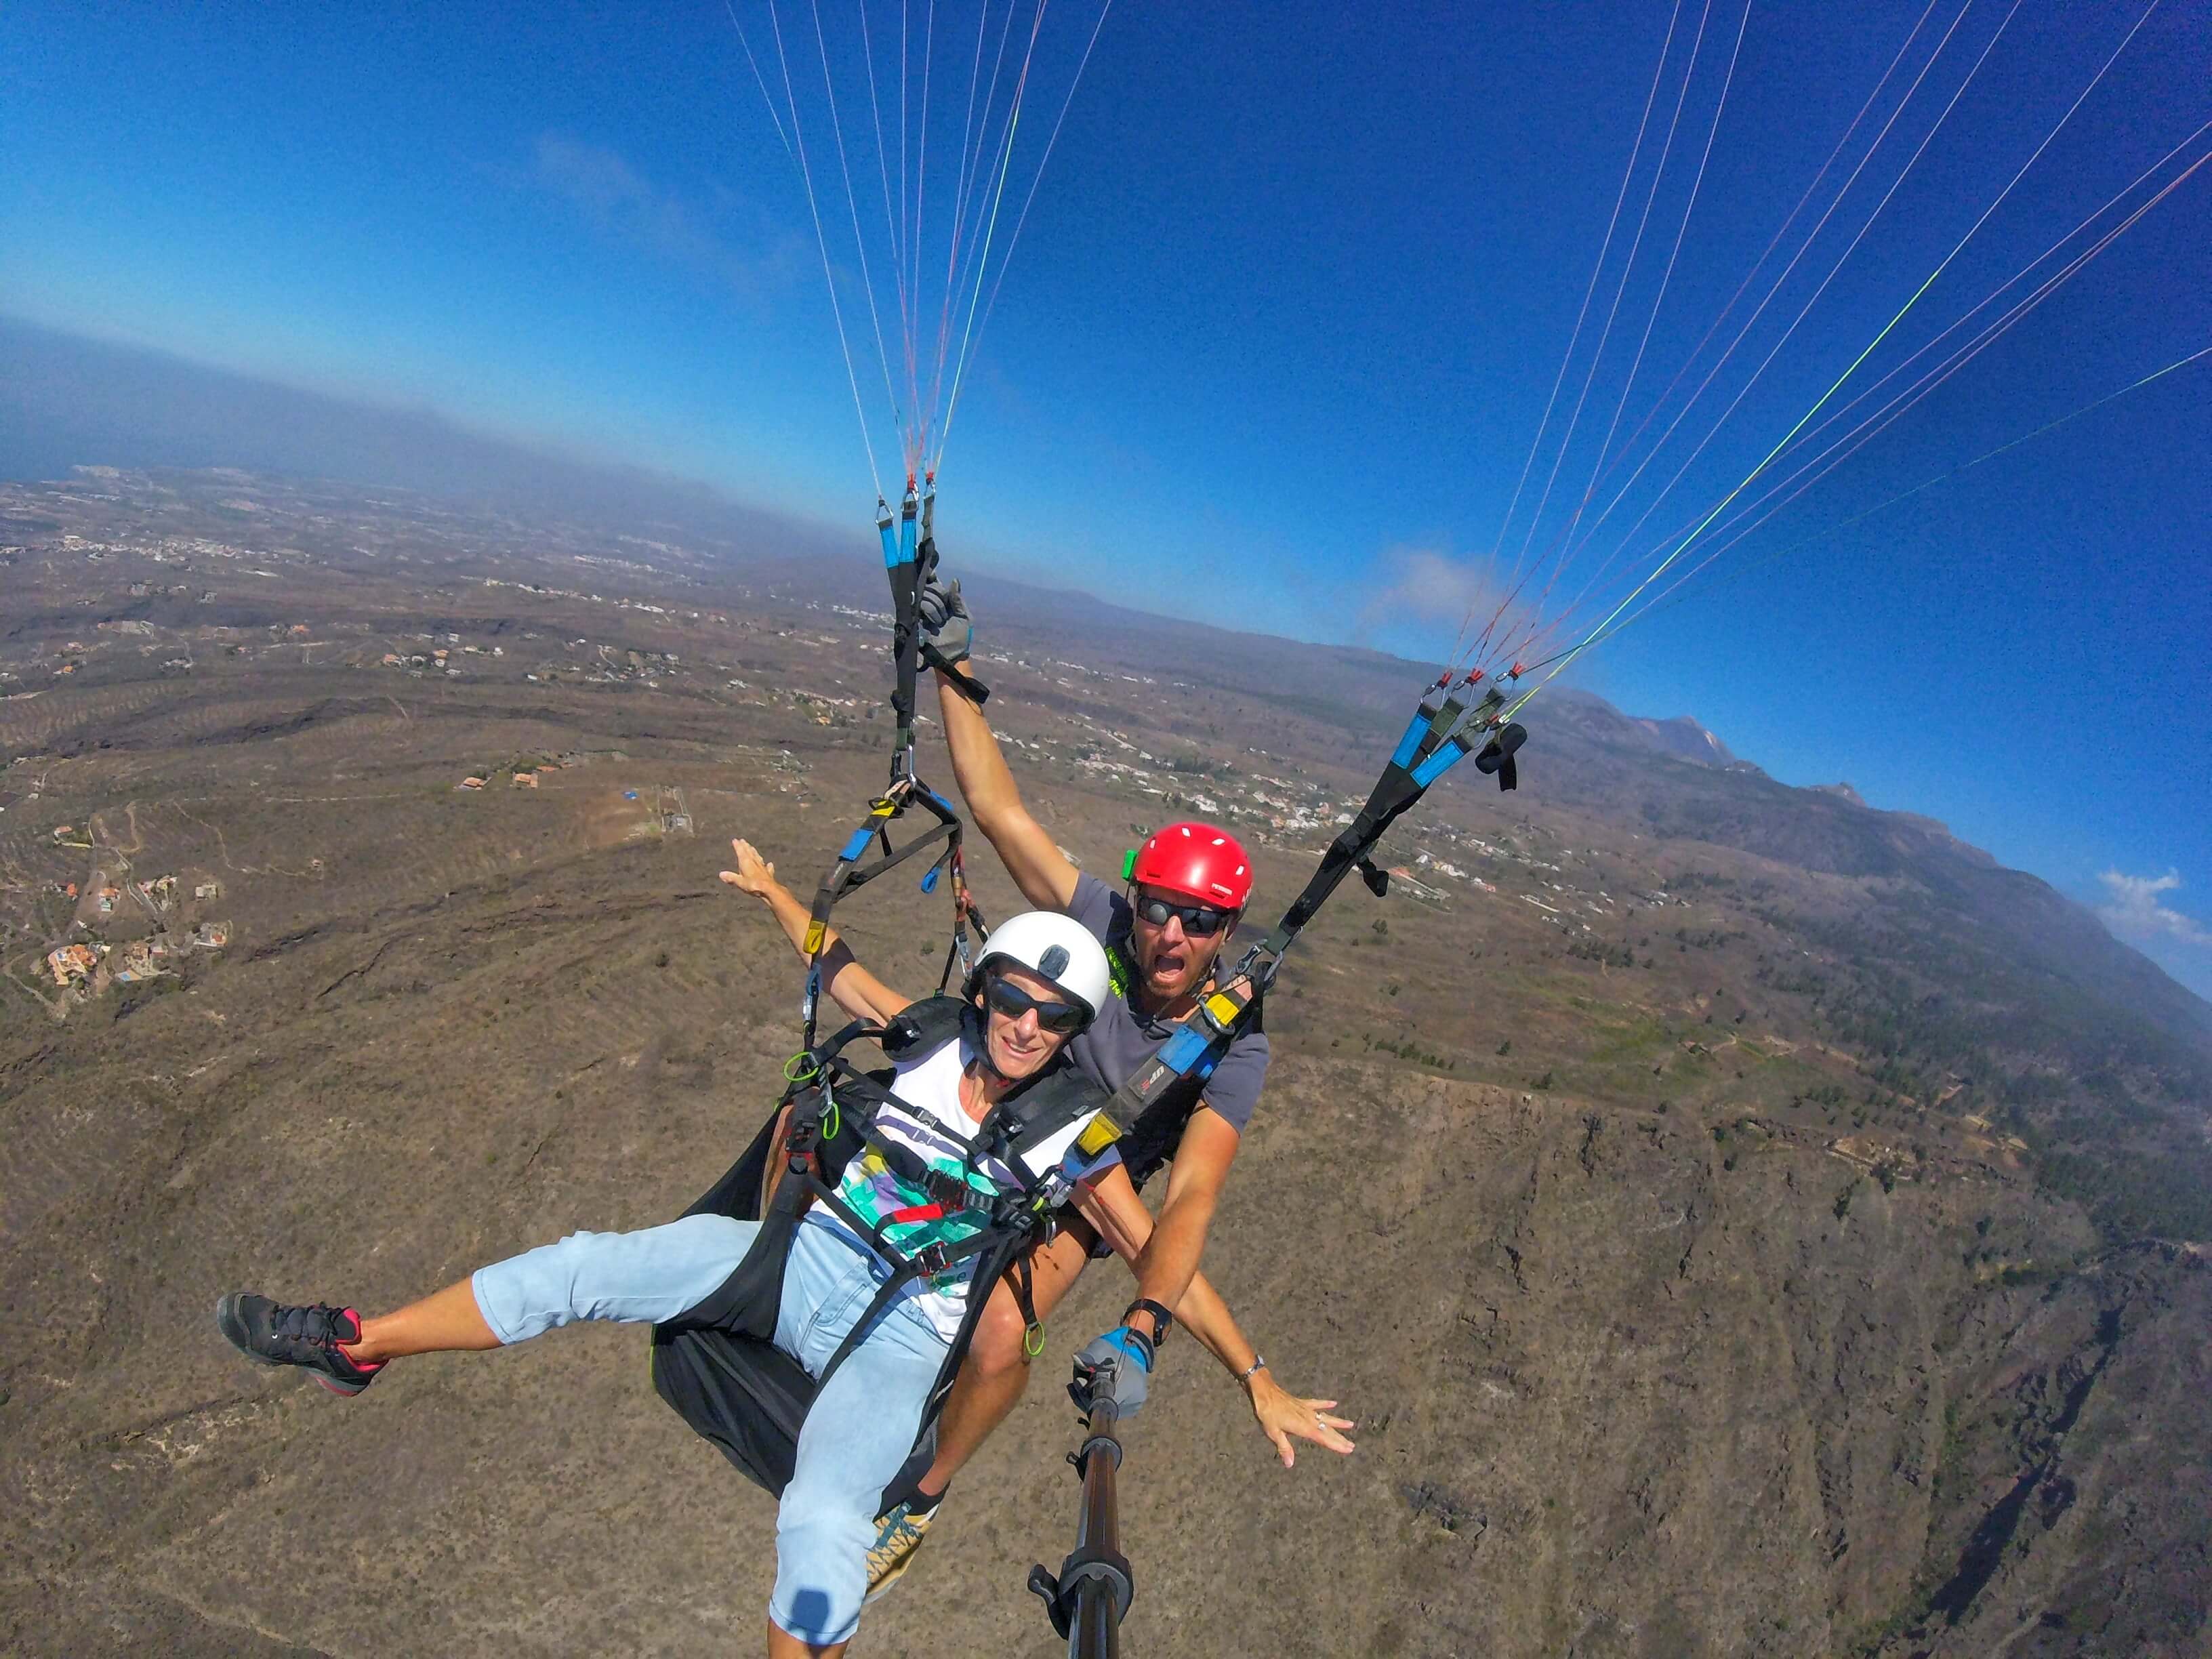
(2020, 309)
(822, 242)
(1665, 276)
(1876, 423)
(1675, 596)
(972, 147)
(759, 80)
(1805, 311)
(1842, 448)
(1023, 218)
(1773, 242)
(983, 258)
(1621, 290)
(882, 173)
(1566, 360)
(1790, 436)
(852, 206)
(1972, 230)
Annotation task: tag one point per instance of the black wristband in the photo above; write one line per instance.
(1150, 1347)
(1162, 1320)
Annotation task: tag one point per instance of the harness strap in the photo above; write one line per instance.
(850, 872)
(1023, 1282)
(909, 545)
(934, 1261)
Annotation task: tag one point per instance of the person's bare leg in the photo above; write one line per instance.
(997, 1366)
(782, 1645)
(436, 1324)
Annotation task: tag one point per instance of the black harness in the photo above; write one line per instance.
(718, 1366)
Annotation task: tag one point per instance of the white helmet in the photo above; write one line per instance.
(1054, 947)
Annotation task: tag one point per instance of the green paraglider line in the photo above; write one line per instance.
(1745, 570)
(1721, 505)
(1853, 367)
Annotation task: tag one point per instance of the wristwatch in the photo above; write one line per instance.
(1259, 1363)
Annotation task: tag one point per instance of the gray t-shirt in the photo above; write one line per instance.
(1124, 1037)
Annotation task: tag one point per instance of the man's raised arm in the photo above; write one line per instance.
(1032, 858)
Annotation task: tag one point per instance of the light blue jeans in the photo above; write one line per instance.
(861, 1426)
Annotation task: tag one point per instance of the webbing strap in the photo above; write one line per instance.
(855, 869)
(909, 557)
(1442, 731)
(904, 1272)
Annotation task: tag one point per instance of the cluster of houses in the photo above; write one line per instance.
(438, 661)
(89, 967)
(521, 777)
(92, 968)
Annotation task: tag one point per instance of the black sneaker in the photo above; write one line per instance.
(269, 1333)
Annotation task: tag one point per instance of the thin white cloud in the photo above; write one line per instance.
(2136, 912)
(622, 203)
(1428, 589)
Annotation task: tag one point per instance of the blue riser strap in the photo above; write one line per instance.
(891, 544)
(859, 844)
(1183, 1051)
(1438, 763)
(1410, 744)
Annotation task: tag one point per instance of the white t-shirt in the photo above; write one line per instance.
(927, 1119)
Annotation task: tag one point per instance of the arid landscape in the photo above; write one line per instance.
(1742, 1221)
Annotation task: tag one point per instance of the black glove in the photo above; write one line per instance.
(1115, 1367)
(946, 627)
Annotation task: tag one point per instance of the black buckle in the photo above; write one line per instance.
(949, 1192)
(932, 1259)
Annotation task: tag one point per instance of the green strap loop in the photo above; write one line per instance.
(801, 1066)
(1033, 1339)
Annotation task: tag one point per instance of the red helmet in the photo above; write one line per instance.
(1195, 859)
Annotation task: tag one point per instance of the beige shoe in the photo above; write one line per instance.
(898, 1535)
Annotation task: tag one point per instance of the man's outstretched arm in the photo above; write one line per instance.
(1111, 1205)
(1032, 858)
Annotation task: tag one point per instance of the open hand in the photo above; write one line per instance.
(1283, 1414)
(754, 873)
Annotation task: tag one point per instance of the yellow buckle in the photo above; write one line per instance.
(1097, 1135)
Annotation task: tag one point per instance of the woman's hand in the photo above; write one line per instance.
(754, 873)
(1282, 1414)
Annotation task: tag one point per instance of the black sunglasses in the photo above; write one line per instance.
(1004, 997)
(1199, 920)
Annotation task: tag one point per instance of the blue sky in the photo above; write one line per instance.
(1275, 342)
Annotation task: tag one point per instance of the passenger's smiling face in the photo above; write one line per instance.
(1027, 1020)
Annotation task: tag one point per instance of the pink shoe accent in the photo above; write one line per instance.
(366, 1367)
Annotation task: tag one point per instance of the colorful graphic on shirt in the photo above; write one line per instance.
(911, 1219)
